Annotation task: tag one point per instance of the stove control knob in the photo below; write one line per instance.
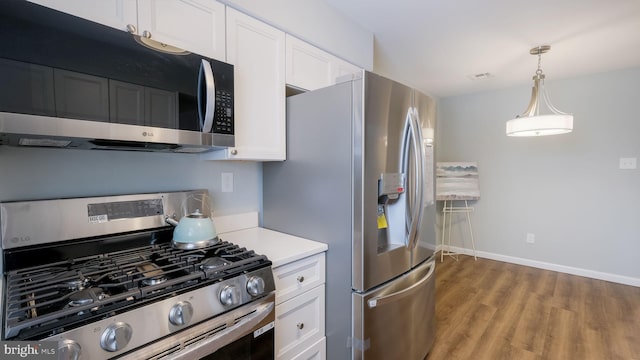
(181, 313)
(68, 350)
(229, 295)
(255, 286)
(116, 336)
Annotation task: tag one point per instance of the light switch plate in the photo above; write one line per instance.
(226, 182)
(627, 163)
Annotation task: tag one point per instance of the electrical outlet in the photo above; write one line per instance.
(531, 238)
(628, 163)
(227, 182)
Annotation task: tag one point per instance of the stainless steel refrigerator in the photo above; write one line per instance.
(359, 176)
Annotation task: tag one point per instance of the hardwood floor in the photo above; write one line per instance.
(492, 310)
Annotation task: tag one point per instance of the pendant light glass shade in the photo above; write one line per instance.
(540, 125)
(541, 117)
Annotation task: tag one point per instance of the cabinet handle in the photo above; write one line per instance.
(234, 152)
(300, 278)
(131, 29)
(146, 34)
(300, 326)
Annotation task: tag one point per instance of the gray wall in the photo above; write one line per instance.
(565, 189)
(36, 173)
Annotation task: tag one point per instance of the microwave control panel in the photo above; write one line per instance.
(223, 116)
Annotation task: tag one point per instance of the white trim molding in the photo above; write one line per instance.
(620, 279)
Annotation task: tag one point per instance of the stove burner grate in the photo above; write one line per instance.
(39, 297)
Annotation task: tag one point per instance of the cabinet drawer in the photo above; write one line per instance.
(317, 351)
(299, 323)
(299, 276)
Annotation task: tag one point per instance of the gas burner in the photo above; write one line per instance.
(154, 280)
(76, 284)
(152, 273)
(72, 280)
(212, 263)
(86, 296)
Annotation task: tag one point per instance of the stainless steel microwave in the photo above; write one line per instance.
(71, 83)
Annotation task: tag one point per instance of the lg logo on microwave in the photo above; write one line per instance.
(20, 239)
(147, 133)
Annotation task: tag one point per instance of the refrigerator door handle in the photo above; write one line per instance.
(414, 207)
(385, 299)
(404, 167)
(420, 173)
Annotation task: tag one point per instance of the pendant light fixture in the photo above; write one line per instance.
(541, 117)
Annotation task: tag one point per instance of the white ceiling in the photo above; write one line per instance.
(435, 45)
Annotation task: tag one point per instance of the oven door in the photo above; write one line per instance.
(246, 333)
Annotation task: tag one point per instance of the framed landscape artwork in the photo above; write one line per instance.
(457, 181)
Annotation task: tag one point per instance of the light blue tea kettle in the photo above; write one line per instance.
(193, 231)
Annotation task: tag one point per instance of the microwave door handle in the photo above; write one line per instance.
(206, 96)
(385, 299)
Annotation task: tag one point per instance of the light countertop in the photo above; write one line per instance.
(280, 248)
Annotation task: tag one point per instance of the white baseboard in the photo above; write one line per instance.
(620, 279)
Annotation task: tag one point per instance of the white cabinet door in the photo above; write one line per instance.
(115, 13)
(317, 351)
(342, 68)
(298, 277)
(257, 52)
(299, 323)
(310, 68)
(194, 25)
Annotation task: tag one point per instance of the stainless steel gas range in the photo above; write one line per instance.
(99, 276)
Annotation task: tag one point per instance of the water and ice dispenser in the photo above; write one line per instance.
(391, 211)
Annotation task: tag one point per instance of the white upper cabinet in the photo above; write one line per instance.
(310, 68)
(115, 13)
(194, 25)
(257, 52)
(343, 68)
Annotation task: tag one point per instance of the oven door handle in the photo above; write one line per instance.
(210, 345)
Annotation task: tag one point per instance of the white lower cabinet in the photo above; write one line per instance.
(317, 351)
(299, 323)
(300, 309)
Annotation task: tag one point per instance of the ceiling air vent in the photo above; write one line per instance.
(481, 76)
